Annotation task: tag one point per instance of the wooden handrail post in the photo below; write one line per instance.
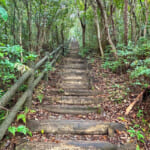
(46, 73)
(30, 87)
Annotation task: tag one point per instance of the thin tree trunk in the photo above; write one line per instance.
(83, 23)
(133, 20)
(14, 20)
(100, 4)
(20, 33)
(146, 19)
(97, 27)
(57, 35)
(62, 36)
(28, 7)
(126, 22)
(112, 9)
(83, 34)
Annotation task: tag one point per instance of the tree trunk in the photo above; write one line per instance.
(100, 5)
(146, 19)
(62, 36)
(97, 27)
(28, 7)
(83, 23)
(112, 9)
(57, 35)
(83, 34)
(126, 22)
(133, 20)
(20, 31)
(14, 20)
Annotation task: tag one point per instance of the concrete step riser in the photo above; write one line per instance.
(74, 145)
(74, 110)
(77, 127)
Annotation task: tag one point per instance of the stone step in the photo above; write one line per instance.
(76, 64)
(75, 82)
(68, 66)
(71, 70)
(73, 145)
(74, 86)
(74, 110)
(74, 77)
(74, 60)
(74, 51)
(73, 73)
(75, 56)
(76, 127)
(73, 92)
(74, 100)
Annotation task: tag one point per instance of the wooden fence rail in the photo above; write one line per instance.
(26, 98)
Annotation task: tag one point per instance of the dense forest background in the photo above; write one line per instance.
(119, 28)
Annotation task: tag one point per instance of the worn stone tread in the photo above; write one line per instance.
(74, 100)
(73, 92)
(80, 127)
(68, 109)
(74, 86)
(74, 70)
(70, 145)
(75, 82)
(74, 66)
(74, 77)
(77, 101)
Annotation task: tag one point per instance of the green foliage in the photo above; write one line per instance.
(40, 97)
(1, 93)
(140, 113)
(134, 59)
(3, 14)
(49, 67)
(137, 134)
(137, 147)
(83, 52)
(31, 57)
(2, 115)
(20, 129)
(21, 117)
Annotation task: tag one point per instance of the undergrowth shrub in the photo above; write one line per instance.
(9, 57)
(134, 59)
(83, 52)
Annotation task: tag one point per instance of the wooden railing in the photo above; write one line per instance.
(26, 98)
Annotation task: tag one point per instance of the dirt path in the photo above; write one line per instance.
(76, 98)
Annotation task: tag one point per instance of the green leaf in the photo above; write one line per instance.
(1, 54)
(22, 129)
(26, 110)
(137, 147)
(40, 97)
(3, 14)
(22, 117)
(32, 111)
(12, 130)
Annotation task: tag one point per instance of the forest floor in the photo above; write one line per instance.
(115, 93)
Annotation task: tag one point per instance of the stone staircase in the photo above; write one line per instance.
(77, 99)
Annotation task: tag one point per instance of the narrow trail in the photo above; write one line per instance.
(77, 99)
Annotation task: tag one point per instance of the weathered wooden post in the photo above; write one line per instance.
(30, 88)
(46, 73)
